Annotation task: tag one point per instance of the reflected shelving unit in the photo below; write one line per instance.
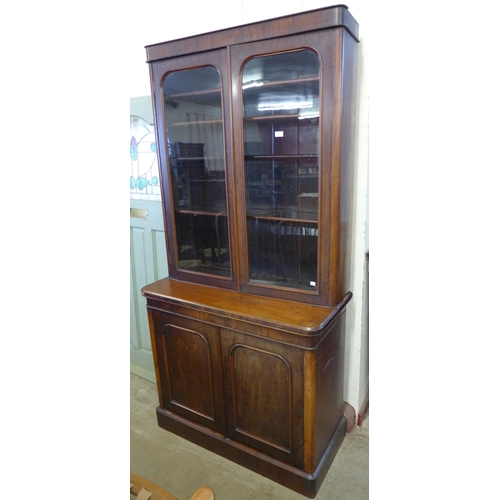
(193, 113)
(280, 119)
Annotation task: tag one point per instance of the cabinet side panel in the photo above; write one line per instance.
(152, 332)
(329, 387)
(345, 62)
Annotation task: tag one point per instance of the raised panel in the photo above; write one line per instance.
(262, 396)
(188, 357)
(189, 371)
(148, 263)
(139, 333)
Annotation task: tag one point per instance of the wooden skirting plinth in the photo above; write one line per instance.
(276, 470)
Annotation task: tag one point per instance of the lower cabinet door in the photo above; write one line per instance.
(190, 369)
(264, 395)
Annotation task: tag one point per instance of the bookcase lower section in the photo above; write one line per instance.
(291, 477)
(257, 381)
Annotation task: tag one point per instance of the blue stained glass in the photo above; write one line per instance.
(144, 176)
(142, 183)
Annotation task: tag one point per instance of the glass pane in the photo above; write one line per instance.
(202, 243)
(281, 127)
(193, 110)
(283, 252)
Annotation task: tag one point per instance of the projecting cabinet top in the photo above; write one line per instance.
(301, 319)
(328, 17)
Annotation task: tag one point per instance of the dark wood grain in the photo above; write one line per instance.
(190, 375)
(329, 17)
(301, 319)
(323, 44)
(294, 478)
(240, 375)
(252, 369)
(158, 71)
(343, 163)
(337, 50)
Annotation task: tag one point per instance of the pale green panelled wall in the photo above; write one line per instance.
(148, 258)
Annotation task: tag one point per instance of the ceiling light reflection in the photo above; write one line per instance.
(252, 84)
(274, 106)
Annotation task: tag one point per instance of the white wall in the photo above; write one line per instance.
(158, 21)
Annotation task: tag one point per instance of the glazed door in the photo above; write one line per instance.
(283, 160)
(195, 159)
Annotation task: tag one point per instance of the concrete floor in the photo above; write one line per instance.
(182, 467)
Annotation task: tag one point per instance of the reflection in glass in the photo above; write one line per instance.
(283, 252)
(193, 111)
(281, 123)
(202, 242)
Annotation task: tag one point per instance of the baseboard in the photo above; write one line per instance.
(363, 410)
(306, 484)
(143, 373)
